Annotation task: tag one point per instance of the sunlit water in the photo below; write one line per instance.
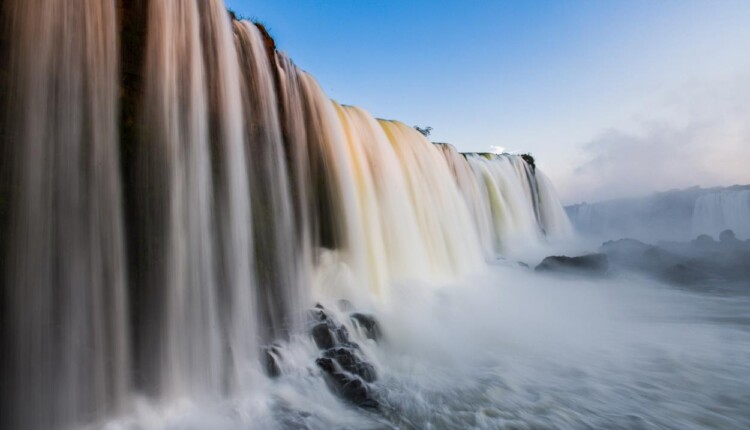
(516, 350)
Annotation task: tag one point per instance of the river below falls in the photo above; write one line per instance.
(516, 350)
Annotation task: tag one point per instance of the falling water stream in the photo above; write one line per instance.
(246, 196)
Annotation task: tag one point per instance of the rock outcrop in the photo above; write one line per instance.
(701, 261)
(342, 362)
(590, 264)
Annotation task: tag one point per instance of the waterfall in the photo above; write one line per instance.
(513, 204)
(442, 216)
(278, 266)
(65, 336)
(178, 192)
(716, 212)
(552, 216)
(249, 195)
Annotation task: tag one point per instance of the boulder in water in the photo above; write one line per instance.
(590, 264)
(345, 368)
(350, 361)
(368, 324)
(348, 386)
(323, 336)
(327, 333)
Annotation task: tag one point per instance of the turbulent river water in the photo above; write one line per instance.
(517, 350)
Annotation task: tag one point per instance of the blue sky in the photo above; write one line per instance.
(591, 88)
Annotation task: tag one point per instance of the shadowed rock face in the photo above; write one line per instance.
(368, 324)
(345, 368)
(591, 264)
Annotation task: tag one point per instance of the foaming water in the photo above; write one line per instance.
(511, 349)
(542, 353)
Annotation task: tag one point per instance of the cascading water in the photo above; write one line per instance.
(552, 216)
(178, 193)
(250, 194)
(717, 212)
(277, 263)
(442, 216)
(513, 204)
(65, 354)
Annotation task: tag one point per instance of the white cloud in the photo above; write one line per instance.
(700, 137)
(497, 149)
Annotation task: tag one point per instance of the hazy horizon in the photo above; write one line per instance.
(614, 99)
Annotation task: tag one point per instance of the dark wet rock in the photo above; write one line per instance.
(342, 334)
(344, 365)
(355, 390)
(347, 385)
(350, 361)
(323, 336)
(271, 356)
(368, 324)
(326, 364)
(590, 264)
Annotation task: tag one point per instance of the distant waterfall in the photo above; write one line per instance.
(249, 194)
(513, 203)
(717, 212)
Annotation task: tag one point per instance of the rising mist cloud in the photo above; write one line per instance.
(700, 137)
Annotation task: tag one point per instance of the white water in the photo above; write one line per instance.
(536, 353)
(717, 212)
(515, 207)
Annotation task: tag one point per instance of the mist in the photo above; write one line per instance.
(697, 136)
(542, 351)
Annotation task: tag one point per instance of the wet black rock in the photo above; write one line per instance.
(342, 334)
(347, 385)
(323, 336)
(350, 361)
(342, 362)
(368, 324)
(327, 332)
(590, 264)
